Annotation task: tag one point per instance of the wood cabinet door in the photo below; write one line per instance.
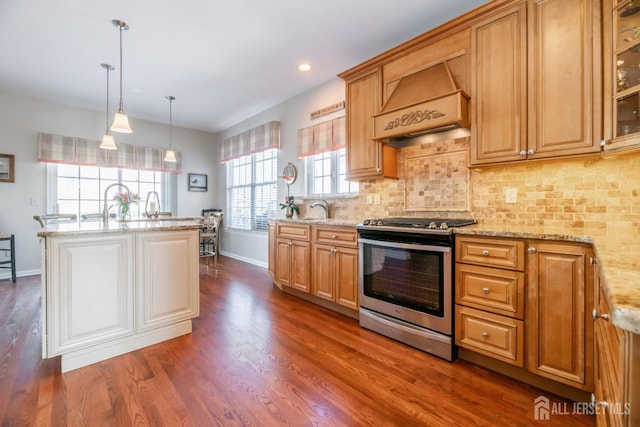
(323, 272)
(300, 266)
(283, 261)
(363, 153)
(558, 319)
(564, 86)
(498, 67)
(272, 250)
(346, 277)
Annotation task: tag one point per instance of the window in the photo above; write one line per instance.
(79, 190)
(327, 174)
(251, 190)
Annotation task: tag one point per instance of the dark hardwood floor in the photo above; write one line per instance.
(256, 357)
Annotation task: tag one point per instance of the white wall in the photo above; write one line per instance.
(293, 114)
(21, 118)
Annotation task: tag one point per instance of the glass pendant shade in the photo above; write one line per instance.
(107, 139)
(170, 156)
(108, 143)
(121, 123)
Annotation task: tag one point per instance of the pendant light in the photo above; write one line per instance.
(171, 155)
(107, 139)
(121, 121)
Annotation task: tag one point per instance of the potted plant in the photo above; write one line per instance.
(290, 206)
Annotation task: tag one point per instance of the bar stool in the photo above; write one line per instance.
(12, 254)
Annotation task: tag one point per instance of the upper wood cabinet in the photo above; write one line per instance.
(621, 41)
(536, 88)
(366, 157)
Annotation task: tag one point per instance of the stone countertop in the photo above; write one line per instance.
(315, 221)
(617, 253)
(79, 228)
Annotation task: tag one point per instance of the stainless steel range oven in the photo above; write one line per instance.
(406, 281)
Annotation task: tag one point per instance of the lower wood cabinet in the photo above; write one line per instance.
(617, 366)
(293, 256)
(318, 261)
(531, 311)
(559, 301)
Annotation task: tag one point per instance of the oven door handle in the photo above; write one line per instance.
(398, 245)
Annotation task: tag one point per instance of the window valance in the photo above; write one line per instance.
(254, 140)
(325, 136)
(87, 152)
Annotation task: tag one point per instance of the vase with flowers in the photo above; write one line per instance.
(289, 206)
(124, 201)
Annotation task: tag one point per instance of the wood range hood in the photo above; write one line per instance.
(427, 101)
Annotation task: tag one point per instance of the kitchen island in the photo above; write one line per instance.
(108, 289)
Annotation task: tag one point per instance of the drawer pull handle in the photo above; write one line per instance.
(595, 315)
(485, 252)
(485, 335)
(596, 402)
(485, 291)
(333, 236)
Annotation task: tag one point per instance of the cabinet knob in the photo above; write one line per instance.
(485, 335)
(597, 315)
(485, 252)
(531, 250)
(378, 170)
(523, 153)
(485, 291)
(334, 250)
(530, 151)
(333, 236)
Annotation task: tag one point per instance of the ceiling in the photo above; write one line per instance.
(224, 61)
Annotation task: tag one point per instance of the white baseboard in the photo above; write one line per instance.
(7, 274)
(244, 259)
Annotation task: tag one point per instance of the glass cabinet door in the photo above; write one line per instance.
(626, 44)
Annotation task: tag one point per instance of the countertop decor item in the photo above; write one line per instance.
(289, 205)
(124, 201)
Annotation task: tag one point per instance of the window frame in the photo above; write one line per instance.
(167, 188)
(268, 203)
(335, 174)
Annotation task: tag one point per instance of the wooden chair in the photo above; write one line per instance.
(210, 236)
(11, 262)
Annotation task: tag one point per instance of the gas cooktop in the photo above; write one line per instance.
(425, 224)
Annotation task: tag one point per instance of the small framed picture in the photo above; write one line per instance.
(197, 182)
(7, 168)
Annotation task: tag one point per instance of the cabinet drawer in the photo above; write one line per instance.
(504, 253)
(293, 231)
(491, 289)
(495, 336)
(335, 236)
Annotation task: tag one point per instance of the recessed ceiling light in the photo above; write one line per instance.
(304, 67)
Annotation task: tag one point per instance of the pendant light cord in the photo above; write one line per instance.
(107, 67)
(121, 107)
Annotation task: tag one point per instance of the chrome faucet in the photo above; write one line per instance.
(105, 210)
(324, 205)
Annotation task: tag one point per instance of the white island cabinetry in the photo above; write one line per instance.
(108, 292)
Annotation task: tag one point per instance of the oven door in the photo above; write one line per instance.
(410, 282)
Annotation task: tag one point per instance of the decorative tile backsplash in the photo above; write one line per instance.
(592, 193)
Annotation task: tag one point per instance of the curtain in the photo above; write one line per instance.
(254, 140)
(87, 152)
(325, 136)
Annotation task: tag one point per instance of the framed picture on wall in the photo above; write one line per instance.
(7, 168)
(197, 182)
